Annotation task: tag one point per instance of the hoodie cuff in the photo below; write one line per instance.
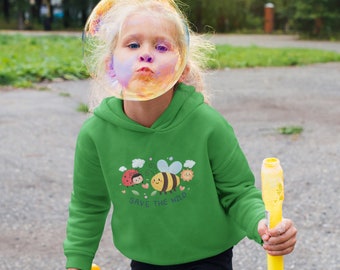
(79, 261)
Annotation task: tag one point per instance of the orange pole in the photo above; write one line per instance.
(269, 18)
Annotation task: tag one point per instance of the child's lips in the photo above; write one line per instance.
(145, 70)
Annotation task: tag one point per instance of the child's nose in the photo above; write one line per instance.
(146, 58)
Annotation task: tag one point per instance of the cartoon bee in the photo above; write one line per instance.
(131, 177)
(166, 180)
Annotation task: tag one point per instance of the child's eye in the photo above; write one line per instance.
(161, 48)
(133, 45)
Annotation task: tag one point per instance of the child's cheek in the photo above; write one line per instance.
(123, 70)
(168, 68)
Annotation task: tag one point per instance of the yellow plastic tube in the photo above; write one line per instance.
(273, 196)
(95, 267)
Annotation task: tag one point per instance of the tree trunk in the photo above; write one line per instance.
(6, 10)
(318, 24)
(67, 17)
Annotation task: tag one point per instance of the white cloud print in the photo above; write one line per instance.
(138, 163)
(122, 169)
(189, 164)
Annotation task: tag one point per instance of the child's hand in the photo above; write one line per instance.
(279, 240)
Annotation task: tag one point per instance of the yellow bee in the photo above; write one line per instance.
(165, 181)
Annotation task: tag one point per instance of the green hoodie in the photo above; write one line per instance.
(181, 190)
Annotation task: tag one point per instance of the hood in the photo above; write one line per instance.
(184, 102)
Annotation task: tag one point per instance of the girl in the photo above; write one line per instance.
(181, 189)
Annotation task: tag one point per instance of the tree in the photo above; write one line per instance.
(77, 11)
(225, 15)
(5, 10)
(284, 10)
(317, 18)
(21, 6)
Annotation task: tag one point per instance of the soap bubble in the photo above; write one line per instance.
(115, 74)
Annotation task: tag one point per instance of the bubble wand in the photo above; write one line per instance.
(273, 195)
(95, 267)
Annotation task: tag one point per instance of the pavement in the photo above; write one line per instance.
(38, 130)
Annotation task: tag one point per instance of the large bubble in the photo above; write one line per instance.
(148, 52)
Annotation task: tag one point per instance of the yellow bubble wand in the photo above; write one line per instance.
(273, 196)
(95, 267)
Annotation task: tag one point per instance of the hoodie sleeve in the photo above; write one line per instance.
(88, 208)
(235, 181)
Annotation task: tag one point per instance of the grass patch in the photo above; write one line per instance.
(290, 130)
(43, 88)
(64, 94)
(253, 56)
(26, 60)
(82, 107)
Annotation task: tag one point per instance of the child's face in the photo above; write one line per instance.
(146, 59)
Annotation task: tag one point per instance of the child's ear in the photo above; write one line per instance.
(184, 74)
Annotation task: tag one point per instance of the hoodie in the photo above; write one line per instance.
(181, 190)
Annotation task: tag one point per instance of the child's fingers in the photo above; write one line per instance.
(279, 236)
(280, 249)
(280, 252)
(282, 239)
(284, 226)
(262, 227)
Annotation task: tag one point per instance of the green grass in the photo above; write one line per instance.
(290, 130)
(63, 94)
(253, 56)
(25, 60)
(82, 107)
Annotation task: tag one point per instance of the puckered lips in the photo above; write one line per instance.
(145, 71)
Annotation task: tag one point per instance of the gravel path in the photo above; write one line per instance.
(38, 130)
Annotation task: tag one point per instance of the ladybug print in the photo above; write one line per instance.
(131, 177)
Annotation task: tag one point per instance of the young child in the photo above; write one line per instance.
(181, 189)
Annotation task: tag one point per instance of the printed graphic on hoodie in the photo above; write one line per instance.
(156, 181)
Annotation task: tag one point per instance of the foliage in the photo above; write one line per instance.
(284, 15)
(75, 9)
(225, 15)
(26, 59)
(310, 17)
(317, 18)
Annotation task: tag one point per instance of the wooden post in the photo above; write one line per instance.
(268, 18)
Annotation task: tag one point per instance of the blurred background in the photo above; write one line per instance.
(308, 18)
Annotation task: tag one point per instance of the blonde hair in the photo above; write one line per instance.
(103, 29)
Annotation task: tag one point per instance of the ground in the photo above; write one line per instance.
(38, 130)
